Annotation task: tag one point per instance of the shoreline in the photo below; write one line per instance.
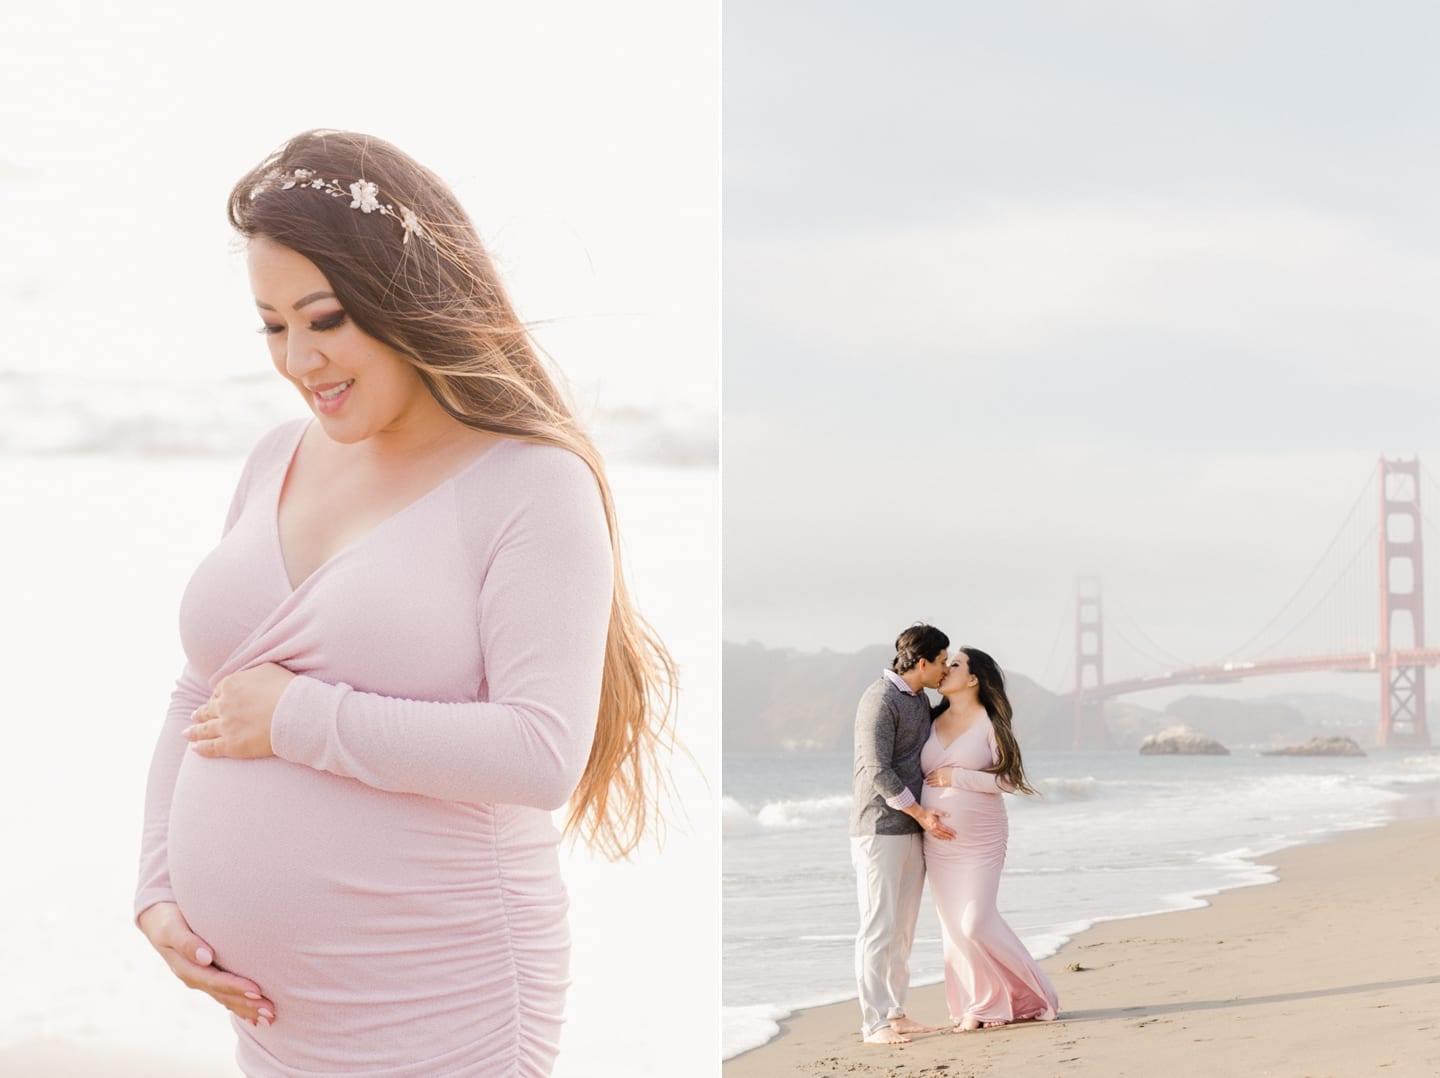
(1167, 972)
(1192, 900)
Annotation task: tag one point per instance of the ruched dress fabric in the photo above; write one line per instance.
(989, 975)
(390, 876)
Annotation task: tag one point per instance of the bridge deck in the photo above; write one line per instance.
(1358, 663)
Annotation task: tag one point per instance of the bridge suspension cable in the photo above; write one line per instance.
(1366, 628)
(1431, 488)
(1049, 668)
(1245, 649)
(1434, 499)
(1157, 654)
(1344, 575)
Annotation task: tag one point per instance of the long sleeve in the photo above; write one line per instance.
(189, 693)
(154, 886)
(542, 617)
(875, 748)
(985, 782)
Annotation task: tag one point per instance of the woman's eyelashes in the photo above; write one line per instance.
(330, 321)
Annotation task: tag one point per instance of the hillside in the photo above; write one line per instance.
(783, 700)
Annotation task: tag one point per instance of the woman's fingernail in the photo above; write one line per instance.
(264, 1021)
(252, 995)
(267, 1012)
(204, 957)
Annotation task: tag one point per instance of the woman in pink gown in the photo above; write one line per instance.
(970, 760)
(410, 646)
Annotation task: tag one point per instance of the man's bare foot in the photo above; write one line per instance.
(886, 1035)
(909, 1025)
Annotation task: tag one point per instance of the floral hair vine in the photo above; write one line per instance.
(364, 196)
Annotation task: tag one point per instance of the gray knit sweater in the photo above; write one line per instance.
(890, 729)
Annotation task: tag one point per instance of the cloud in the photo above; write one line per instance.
(1335, 296)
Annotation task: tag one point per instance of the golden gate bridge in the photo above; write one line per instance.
(1395, 648)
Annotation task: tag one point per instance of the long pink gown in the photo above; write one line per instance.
(989, 975)
(390, 876)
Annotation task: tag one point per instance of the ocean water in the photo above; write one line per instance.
(1114, 835)
(96, 550)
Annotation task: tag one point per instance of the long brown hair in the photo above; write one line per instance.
(437, 299)
(1010, 768)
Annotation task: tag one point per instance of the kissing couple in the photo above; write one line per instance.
(928, 789)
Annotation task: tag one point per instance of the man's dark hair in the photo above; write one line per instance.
(920, 641)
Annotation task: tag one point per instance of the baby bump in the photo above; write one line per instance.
(335, 897)
(979, 821)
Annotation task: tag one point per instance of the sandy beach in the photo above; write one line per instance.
(1331, 972)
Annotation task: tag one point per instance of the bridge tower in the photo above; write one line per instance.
(1402, 605)
(1090, 729)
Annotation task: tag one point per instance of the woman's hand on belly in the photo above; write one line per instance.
(194, 963)
(236, 720)
(939, 777)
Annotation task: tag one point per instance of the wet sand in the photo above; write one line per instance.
(1334, 971)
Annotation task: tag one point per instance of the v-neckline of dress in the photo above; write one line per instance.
(946, 748)
(293, 589)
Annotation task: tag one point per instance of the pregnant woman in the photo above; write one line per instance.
(970, 759)
(411, 645)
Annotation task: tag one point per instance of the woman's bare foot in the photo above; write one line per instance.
(966, 1025)
(886, 1035)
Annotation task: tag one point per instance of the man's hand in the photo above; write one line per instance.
(930, 819)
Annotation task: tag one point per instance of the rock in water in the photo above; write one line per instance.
(1181, 741)
(1320, 746)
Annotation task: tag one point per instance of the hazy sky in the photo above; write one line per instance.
(582, 138)
(1016, 290)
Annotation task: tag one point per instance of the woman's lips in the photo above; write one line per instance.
(331, 396)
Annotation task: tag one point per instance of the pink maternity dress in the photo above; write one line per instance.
(989, 975)
(390, 877)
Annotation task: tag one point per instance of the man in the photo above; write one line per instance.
(887, 826)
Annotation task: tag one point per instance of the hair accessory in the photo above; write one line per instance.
(364, 196)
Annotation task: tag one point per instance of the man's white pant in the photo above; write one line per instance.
(890, 876)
